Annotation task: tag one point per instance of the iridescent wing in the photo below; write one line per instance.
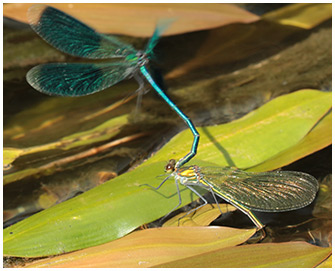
(72, 36)
(274, 191)
(77, 79)
(160, 28)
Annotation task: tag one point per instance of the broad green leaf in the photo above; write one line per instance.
(280, 255)
(151, 247)
(260, 135)
(117, 207)
(318, 138)
(107, 212)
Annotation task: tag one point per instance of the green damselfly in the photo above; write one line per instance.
(274, 191)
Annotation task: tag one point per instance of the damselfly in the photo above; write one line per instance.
(78, 79)
(274, 191)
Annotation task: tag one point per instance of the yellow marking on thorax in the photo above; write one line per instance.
(187, 173)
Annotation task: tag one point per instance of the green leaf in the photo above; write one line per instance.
(318, 138)
(119, 206)
(258, 136)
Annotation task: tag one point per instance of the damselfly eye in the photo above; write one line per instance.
(170, 167)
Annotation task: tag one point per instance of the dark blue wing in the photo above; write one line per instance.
(72, 36)
(76, 79)
(160, 28)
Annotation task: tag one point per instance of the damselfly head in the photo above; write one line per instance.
(170, 166)
(142, 58)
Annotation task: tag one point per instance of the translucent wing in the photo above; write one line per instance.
(274, 191)
(72, 36)
(76, 79)
(160, 28)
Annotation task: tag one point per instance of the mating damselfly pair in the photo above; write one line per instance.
(268, 192)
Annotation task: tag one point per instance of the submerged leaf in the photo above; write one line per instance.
(9, 156)
(301, 15)
(100, 133)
